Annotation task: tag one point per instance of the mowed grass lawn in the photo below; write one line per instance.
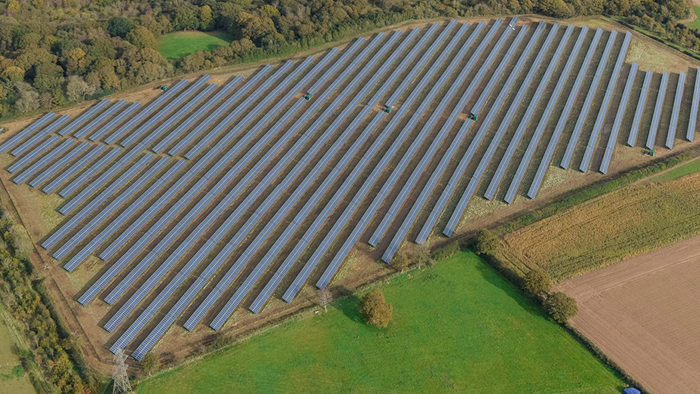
(696, 23)
(458, 327)
(182, 43)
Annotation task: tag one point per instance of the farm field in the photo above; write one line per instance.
(179, 44)
(489, 339)
(643, 314)
(223, 203)
(605, 230)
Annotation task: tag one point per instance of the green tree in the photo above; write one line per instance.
(186, 17)
(375, 310)
(119, 27)
(141, 37)
(560, 306)
(206, 18)
(485, 242)
(537, 282)
(12, 74)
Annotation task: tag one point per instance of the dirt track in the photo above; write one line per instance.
(643, 314)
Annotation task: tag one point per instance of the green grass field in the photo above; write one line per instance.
(458, 327)
(678, 172)
(12, 377)
(182, 43)
(696, 23)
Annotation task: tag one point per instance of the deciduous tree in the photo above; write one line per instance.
(375, 310)
(561, 307)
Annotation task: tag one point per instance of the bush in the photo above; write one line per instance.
(561, 307)
(400, 262)
(537, 282)
(485, 242)
(150, 364)
(375, 310)
(446, 251)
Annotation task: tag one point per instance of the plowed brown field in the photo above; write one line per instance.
(643, 314)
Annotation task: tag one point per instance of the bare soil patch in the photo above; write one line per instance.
(643, 314)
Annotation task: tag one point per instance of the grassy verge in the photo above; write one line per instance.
(487, 338)
(652, 35)
(679, 172)
(13, 376)
(182, 43)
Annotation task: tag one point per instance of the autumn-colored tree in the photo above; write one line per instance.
(536, 282)
(375, 310)
(141, 38)
(485, 242)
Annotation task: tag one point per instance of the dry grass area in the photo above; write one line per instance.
(643, 314)
(608, 229)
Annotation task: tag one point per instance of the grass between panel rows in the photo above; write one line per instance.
(458, 326)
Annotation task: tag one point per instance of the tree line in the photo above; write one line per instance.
(56, 52)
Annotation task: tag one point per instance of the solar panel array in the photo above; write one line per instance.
(212, 198)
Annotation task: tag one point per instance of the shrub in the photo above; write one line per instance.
(375, 310)
(150, 364)
(446, 251)
(485, 242)
(561, 307)
(537, 282)
(400, 262)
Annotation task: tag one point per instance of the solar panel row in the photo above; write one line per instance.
(592, 90)
(99, 119)
(88, 173)
(43, 161)
(658, 108)
(220, 110)
(639, 112)
(146, 112)
(448, 156)
(381, 166)
(33, 154)
(112, 123)
(603, 110)
(621, 109)
(675, 112)
(544, 119)
(464, 161)
(332, 204)
(564, 117)
(75, 220)
(162, 113)
(78, 149)
(28, 144)
(530, 111)
(232, 273)
(162, 270)
(107, 211)
(26, 132)
(495, 142)
(692, 121)
(75, 168)
(83, 117)
(195, 116)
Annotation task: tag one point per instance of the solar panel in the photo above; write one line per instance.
(675, 111)
(692, 121)
(196, 115)
(607, 156)
(438, 139)
(603, 111)
(112, 123)
(68, 245)
(94, 203)
(26, 132)
(564, 117)
(28, 144)
(544, 119)
(464, 161)
(593, 88)
(656, 117)
(75, 168)
(146, 111)
(398, 141)
(162, 114)
(83, 117)
(638, 113)
(225, 107)
(78, 149)
(42, 162)
(193, 236)
(99, 119)
(33, 154)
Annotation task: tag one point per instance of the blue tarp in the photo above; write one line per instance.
(631, 390)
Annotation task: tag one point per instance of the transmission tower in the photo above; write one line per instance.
(119, 375)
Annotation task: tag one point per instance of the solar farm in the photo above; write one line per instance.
(210, 201)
